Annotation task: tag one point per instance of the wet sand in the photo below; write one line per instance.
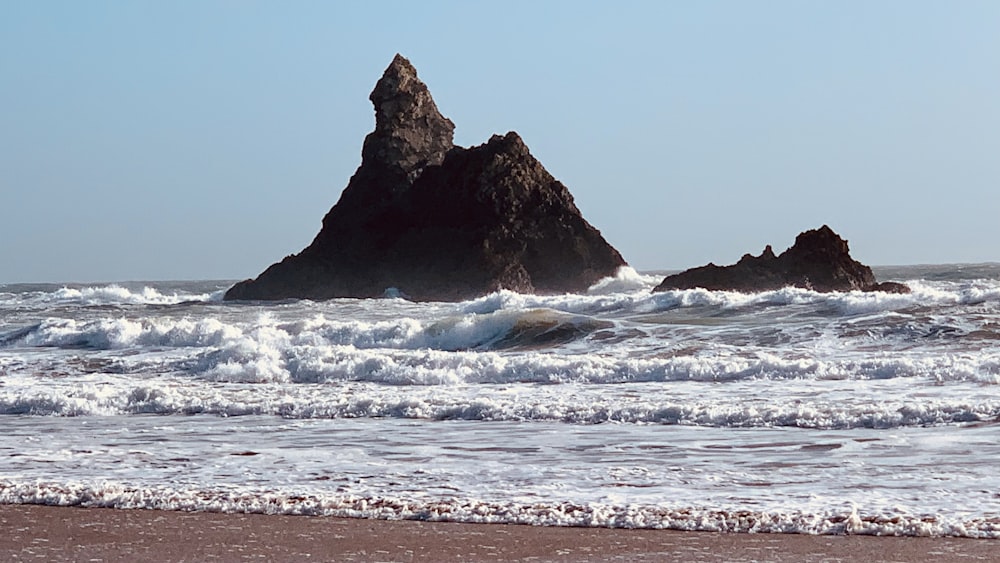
(44, 533)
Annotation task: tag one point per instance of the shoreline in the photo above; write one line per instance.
(106, 534)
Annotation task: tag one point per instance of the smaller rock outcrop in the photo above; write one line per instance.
(819, 260)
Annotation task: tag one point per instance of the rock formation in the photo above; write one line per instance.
(433, 221)
(819, 260)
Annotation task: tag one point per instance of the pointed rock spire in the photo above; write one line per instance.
(437, 222)
(410, 133)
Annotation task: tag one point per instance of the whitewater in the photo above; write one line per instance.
(783, 411)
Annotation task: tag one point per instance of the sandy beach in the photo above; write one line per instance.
(88, 534)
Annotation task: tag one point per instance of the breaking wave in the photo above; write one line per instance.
(759, 412)
(104, 295)
(974, 292)
(119, 395)
(627, 292)
(499, 330)
(507, 345)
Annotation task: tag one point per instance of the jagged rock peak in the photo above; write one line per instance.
(410, 133)
(819, 243)
(819, 260)
(428, 220)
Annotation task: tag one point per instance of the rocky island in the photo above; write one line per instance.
(819, 260)
(427, 220)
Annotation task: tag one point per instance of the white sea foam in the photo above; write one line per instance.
(804, 405)
(105, 295)
(626, 291)
(114, 294)
(841, 303)
(449, 333)
(470, 349)
(787, 410)
(625, 280)
(266, 501)
(118, 333)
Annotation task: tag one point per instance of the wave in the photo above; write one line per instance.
(516, 403)
(626, 292)
(113, 294)
(924, 294)
(499, 330)
(625, 280)
(838, 521)
(520, 343)
(121, 333)
(431, 367)
(465, 350)
(500, 347)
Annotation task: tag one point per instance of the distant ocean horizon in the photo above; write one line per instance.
(881, 272)
(781, 411)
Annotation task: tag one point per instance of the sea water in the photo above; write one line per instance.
(781, 411)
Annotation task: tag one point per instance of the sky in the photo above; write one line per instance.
(207, 139)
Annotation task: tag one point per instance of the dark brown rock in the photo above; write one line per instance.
(889, 287)
(819, 260)
(440, 222)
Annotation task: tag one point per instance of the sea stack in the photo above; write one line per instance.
(819, 260)
(430, 221)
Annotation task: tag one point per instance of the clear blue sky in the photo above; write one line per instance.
(199, 139)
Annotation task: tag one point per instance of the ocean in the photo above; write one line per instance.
(783, 411)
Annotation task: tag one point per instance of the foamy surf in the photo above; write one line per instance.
(841, 521)
(806, 406)
(859, 482)
(51, 295)
(780, 411)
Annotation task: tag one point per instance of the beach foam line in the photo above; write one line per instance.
(852, 520)
(78, 534)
